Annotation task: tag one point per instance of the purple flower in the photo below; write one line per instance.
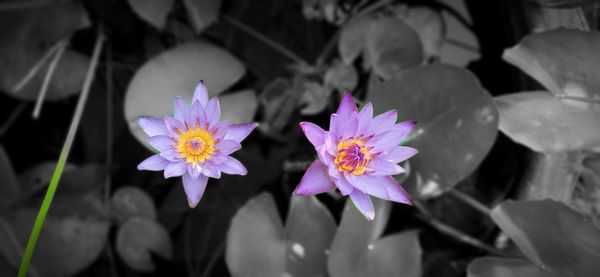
(194, 143)
(358, 155)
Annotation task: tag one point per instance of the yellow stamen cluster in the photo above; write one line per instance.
(353, 156)
(196, 145)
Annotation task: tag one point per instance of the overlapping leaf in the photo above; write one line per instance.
(154, 12)
(128, 202)
(501, 267)
(457, 123)
(137, 238)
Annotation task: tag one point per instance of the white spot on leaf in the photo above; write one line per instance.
(298, 250)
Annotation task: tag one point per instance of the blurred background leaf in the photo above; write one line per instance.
(10, 191)
(138, 238)
(154, 12)
(128, 202)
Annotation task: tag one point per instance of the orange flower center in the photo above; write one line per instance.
(196, 145)
(353, 156)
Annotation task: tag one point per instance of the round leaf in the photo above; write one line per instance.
(544, 123)
(357, 249)
(153, 11)
(551, 235)
(36, 178)
(392, 46)
(67, 245)
(138, 238)
(341, 77)
(571, 69)
(202, 13)
(128, 202)
(352, 37)
(315, 97)
(457, 123)
(501, 267)
(428, 24)
(238, 107)
(255, 243)
(176, 72)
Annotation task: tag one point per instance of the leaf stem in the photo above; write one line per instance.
(462, 45)
(213, 259)
(458, 235)
(12, 118)
(36, 67)
(64, 154)
(472, 202)
(581, 99)
(276, 46)
(49, 73)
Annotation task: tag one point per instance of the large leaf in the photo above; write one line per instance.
(9, 186)
(176, 72)
(392, 46)
(545, 123)
(551, 235)
(73, 236)
(352, 37)
(358, 250)
(503, 267)
(202, 13)
(138, 238)
(34, 179)
(563, 3)
(457, 123)
(128, 202)
(238, 107)
(258, 244)
(153, 11)
(11, 249)
(27, 35)
(565, 61)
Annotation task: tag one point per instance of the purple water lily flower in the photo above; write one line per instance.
(358, 155)
(194, 143)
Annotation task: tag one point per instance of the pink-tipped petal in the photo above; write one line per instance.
(153, 126)
(201, 94)
(161, 142)
(194, 188)
(400, 154)
(174, 126)
(347, 105)
(363, 203)
(227, 147)
(336, 126)
(239, 132)
(364, 117)
(382, 123)
(153, 163)
(213, 112)
(175, 169)
(405, 127)
(350, 126)
(368, 184)
(314, 133)
(211, 171)
(315, 180)
(233, 166)
(197, 116)
(382, 167)
(180, 109)
(171, 155)
(395, 190)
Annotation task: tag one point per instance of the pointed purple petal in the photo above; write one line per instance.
(227, 147)
(386, 141)
(330, 143)
(347, 105)
(313, 133)
(210, 170)
(350, 126)
(233, 166)
(384, 168)
(153, 126)
(405, 127)
(153, 163)
(171, 155)
(395, 190)
(174, 126)
(200, 94)
(315, 180)
(239, 132)
(221, 129)
(399, 154)
(194, 188)
(180, 109)
(364, 117)
(161, 142)
(343, 185)
(324, 156)
(213, 112)
(218, 158)
(336, 126)
(197, 116)
(194, 171)
(382, 123)
(368, 184)
(363, 203)
(175, 169)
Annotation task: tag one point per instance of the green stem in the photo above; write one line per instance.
(64, 154)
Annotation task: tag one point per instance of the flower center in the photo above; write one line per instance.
(195, 145)
(352, 156)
